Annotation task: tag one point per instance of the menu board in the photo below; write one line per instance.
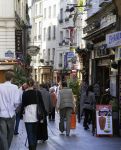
(104, 119)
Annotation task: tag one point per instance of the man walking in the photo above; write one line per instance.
(9, 100)
(65, 104)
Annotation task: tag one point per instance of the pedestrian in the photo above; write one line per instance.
(88, 104)
(9, 101)
(42, 128)
(18, 110)
(46, 97)
(30, 100)
(53, 99)
(65, 104)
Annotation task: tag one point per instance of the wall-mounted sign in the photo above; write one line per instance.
(104, 119)
(33, 50)
(9, 54)
(18, 40)
(118, 53)
(113, 39)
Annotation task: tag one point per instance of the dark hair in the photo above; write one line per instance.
(30, 82)
(64, 84)
(90, 88)
(9, 75)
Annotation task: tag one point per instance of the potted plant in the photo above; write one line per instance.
(75, 86)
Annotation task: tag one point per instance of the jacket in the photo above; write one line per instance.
(88, 101)
(66, 98)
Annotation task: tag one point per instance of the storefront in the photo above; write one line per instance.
(113, 40)
(45, 74)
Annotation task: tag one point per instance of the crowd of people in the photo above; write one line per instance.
(33, 103)
(36, 105)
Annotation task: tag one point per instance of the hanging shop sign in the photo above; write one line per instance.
(113, 39)
(68, 59)
(18, 40)
(104, 119)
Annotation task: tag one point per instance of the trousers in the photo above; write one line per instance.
(6, 132)
(65, 113)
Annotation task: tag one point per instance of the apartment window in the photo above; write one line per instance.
(61, 36)
(60, 60)
(49, 33)
(67, 34)
(44, 38)
(49, 15)
(36, 10)
(39, 36)
(54, 11)
(35, 31)
(44, 12)
(54, 32)
(53, 55)
(48, 54)
(61, 14)
(40, 8)
(44, 52)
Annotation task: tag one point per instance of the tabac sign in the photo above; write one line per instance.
(113, 39)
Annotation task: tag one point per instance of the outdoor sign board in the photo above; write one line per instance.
(67, 59)
(9, 54)
(104, 119)
(18, 40)
(113, 39)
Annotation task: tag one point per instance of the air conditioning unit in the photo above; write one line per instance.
(104, 2)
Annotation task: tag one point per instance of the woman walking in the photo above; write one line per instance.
(88, 104)
(29, 108)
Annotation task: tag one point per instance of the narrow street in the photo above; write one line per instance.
(79, 139)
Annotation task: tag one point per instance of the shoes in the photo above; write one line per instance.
(16, 133)
(67, 134)
(86, 128)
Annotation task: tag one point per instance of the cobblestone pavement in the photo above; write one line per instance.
(79, 139)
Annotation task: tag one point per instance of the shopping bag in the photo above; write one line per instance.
(73, 121)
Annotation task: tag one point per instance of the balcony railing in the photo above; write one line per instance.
(103, 2)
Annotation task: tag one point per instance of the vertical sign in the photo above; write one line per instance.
(104, 119)
(18, 40)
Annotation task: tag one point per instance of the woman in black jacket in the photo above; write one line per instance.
(30, 99)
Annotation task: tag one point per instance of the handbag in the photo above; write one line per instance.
(40, 113)
(73, 121)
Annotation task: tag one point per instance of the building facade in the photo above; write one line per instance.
(12, 19)
(55, 33)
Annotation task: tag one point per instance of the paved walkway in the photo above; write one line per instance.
(78, 140)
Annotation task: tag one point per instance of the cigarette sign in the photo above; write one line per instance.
(104, 119)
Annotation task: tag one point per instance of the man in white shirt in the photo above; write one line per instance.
(9, 100)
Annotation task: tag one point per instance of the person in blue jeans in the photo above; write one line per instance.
(18, 110)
